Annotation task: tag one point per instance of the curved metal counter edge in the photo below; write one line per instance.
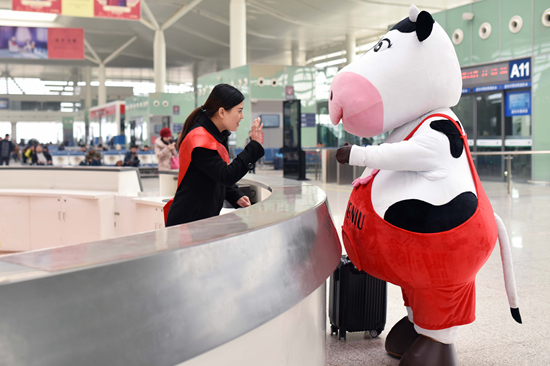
(163, 297)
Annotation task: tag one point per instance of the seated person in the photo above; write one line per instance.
(100, 147)
(41, 156)
(131, 158)
(145, 148)
(92, 158)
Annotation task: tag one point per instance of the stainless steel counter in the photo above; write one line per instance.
(163, 297)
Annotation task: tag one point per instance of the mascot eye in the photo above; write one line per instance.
(383, 45)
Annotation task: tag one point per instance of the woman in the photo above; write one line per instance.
(41, 156)
(206, 177)
(165, 149)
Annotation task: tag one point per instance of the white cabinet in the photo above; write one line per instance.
(67, 220)
(148, 217)
(14, 223)
(45, 222)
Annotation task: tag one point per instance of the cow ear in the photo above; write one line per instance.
(424, 25)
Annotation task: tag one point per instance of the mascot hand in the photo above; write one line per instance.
(362, 181)
(342, 154)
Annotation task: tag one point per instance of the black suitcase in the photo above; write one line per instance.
(357, 301)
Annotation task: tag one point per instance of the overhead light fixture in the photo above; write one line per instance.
(26, 16)
(467, 16)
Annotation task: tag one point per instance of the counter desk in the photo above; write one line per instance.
(244, 288)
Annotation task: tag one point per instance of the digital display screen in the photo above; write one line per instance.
(487, 74)
(271, 120)
(518, 103)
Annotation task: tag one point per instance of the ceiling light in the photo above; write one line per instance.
(26, 15)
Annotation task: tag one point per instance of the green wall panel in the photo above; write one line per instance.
(454, 21)
(440, 18)
(540, 112)
(485, 50)
(516, 45)
(541, 33)
(267, 82)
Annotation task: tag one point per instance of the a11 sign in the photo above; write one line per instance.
(520, 69)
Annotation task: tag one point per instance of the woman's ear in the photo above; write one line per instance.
(222, 112)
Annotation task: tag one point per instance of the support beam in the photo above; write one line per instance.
(89, 58)
(160, 61)
(183, 10)
(147, 24)
(119, 50)
(350, 47)
(237, 33)
(101, 89)
(150, 15)
(91, 50)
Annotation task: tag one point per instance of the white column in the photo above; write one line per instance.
(14, 132)
(298, 57)
(350, 47)
(160, 61)
(101, 89)
(88, 81)
(237, 33)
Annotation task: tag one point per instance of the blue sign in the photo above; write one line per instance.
(524, 84)
(4, 103)
(488, 88)
(520, 69)
(465, 90)
(518, 103)
(177, 128)
(308, 119)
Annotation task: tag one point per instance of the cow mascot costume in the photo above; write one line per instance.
(418, 217)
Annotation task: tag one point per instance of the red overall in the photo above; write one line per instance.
(198, 137)
(436, 271)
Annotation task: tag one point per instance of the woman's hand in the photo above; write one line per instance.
(244, 201)
(172, 146)
(256, 130)
(343, 153)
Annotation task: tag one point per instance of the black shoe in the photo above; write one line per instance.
(427, 352)
(400, 338)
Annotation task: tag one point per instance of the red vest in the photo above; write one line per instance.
(436, 271)
(198, 137)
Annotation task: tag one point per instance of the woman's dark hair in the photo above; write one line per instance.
(222, 96)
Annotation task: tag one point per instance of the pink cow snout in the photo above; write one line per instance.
(356, 101)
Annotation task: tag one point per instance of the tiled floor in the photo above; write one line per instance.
(494, 338)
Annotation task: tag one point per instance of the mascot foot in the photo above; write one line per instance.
(427, 352)
(401, 337)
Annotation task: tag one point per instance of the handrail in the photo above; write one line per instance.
(508, 155)
(497, 153)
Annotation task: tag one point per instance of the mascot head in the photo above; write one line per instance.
(411, 71)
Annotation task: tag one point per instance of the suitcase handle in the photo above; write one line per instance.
(336, 274)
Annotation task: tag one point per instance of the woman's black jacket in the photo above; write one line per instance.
(209, 180)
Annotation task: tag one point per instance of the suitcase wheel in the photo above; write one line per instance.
(375, 333)
(333, 329)
(341, 334)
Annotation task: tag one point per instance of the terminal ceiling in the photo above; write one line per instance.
(202, 36)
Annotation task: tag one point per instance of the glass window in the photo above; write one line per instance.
(464, 110)
(489, 116)
(517, 126)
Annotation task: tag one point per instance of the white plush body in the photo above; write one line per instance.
(421, 168)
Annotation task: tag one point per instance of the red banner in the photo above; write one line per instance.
(66, 43)
(50, 6)
(120, 9)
